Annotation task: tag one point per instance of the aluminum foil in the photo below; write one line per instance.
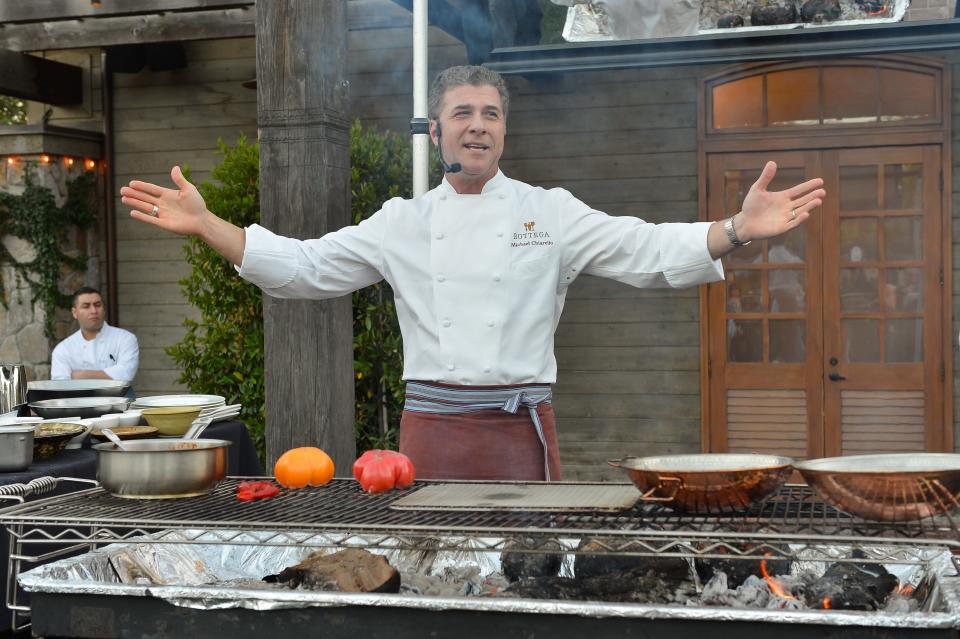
(211, 576)
(590, 21)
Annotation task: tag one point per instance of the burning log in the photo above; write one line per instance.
(851, 586)
(518, 565)
(588, 566)
(738, 570)
(350, 570)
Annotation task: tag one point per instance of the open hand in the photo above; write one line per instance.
(181, 211)
(766, 214)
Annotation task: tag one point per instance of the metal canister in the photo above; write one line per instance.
(16, 447)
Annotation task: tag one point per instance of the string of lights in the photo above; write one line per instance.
(47, 158)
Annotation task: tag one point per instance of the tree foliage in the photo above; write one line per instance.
(34, 216)
(12, 110)
(223, 352)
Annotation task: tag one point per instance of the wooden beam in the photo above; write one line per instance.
(166, 27)
(302, 111)
(52, 10)
(199, 24)
(31, 78)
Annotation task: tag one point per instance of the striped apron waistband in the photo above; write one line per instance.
(431, 398)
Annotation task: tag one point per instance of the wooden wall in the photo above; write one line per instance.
(953, 183)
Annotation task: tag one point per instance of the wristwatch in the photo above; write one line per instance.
(732, 233)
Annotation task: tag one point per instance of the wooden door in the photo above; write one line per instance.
(826, 341)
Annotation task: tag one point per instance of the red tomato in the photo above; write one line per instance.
(382, 470)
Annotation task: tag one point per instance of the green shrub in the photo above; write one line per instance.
(223, 353)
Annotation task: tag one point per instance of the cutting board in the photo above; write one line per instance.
(520, 496)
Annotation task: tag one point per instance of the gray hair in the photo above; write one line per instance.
(461, 76)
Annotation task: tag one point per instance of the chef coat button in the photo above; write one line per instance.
(496, 278)
(502, 196)
(450, 367)
(439, 236)
(500, 234)
(486, 370)
(447, 323)
(440, 278)
(443, 197)
(490, 323)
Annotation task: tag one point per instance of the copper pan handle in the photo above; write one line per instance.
(675, 482)
(618, 463)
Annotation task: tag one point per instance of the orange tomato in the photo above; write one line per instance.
(307, 466)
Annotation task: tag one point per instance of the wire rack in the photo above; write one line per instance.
(794, 513)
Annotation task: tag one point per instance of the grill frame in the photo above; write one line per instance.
(338, 515)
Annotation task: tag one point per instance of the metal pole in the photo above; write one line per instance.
(418, 125)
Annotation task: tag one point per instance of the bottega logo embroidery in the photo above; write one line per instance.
(530, 237)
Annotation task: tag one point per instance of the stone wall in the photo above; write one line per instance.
(930, 9)
(22, 336)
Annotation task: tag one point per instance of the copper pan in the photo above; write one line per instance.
(709, 483)
(894, 487)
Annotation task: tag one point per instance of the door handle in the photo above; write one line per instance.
(836, 377)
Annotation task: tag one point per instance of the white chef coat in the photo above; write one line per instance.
(114, 351)
(480, 280)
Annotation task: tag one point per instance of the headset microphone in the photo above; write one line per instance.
(447, 168)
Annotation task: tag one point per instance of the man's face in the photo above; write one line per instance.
(88, 311)
(473, 128)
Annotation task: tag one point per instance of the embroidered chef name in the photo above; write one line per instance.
(530, 237)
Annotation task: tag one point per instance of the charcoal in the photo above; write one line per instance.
(851, 586)
(729, 21)
(517, 565)
(586, 566)
(818, 11)
(766, 13)
(349, 570)
(737, 570)
(620, 587)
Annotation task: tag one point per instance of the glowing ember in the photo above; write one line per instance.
(826, 603)
(905, 590)
(775, 586)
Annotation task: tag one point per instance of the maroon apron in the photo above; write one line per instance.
(487, 444)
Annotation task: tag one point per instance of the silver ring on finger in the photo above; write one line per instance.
(156, 211)
(793, 214)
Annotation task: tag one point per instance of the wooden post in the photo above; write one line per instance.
(305, 193)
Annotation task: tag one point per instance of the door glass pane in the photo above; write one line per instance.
(860, 340)
(793, 97)
(904, 340)
(787, 341)
(783, 180)
(849, 94)
(858, 239)
(787, 290)
(904, 289)
(739, 103)
(745, 340)
(788, 248)
(906, 95)
(903, 238)
(859, 290)
(902, 186)
(736, 184)
(858, 188)
(744, 291)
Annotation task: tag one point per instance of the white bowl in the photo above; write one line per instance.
(131, 418)
(110, 420)
(87, 424)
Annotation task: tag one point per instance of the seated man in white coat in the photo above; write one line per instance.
(480, 266)
(97, 350)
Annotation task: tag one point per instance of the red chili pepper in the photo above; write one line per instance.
(253, 490)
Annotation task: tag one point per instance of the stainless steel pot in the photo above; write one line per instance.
(162, 468)
(16, 447)
(13, 387)
(78, 407)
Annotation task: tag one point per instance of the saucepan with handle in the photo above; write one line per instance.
(706, 483)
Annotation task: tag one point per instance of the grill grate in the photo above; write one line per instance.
(342, 506)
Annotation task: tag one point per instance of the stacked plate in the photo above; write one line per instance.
(179, 401)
